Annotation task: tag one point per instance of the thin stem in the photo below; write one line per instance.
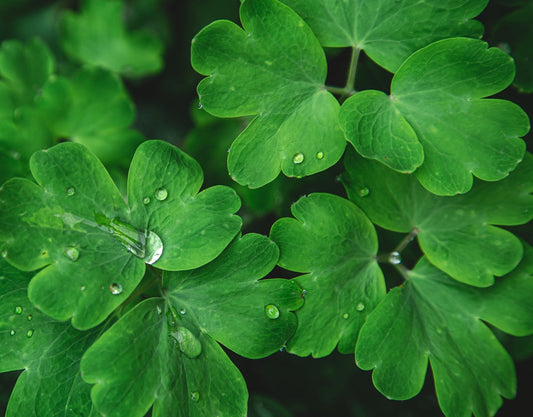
(349, 89)
(407, 239)
(404, 272)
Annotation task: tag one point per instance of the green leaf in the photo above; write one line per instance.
(92, 108)
(75, 223)
(274, 69)
(389, 30)
(49, 352)
(455, 233)
(432, 316)
(514, 33)
(438, 91)
(334, 244)
(169, 347)
(97, 36)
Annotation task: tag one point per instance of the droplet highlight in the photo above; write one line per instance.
(345, 316)
(360, 307)
(271, 311)
(70, 191)
(29, 317)
(298, 158)
(115, 288)
(195, 396)
(187, 342)
(4, 253)
(161, 194)
(183, 312)
(395, 258)
(18, 310)
(146, 200)
(319, 155)
(29, 333)
(363, 192)
(72, 253)
(12, 332)
(82, 288)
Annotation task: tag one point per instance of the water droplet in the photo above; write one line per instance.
(200, 106)
(159, 310)
(360, 307)
(18, 310)
(183, 312)
(153, 248)
(82, 288)
(395, 258)
(70, 191)
(304, 293)
(319, 155)
(29, 333)
(4, 253)
(72, 253)
(12, 332)
(161, 194)
(282, 349)
(195, 396)
(345, 316)
(298, 158)
(363, 192)
(115, 288)
(30, 317)
(146, 200)
(187, 342)
(271, 311)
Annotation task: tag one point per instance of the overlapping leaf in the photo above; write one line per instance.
(433, 317)
(389, 30)
(273, 68)
(437, 99)
(98, 37)
(165, 352)
(48, 351)
(334, 244)
(456, 233)
(75, 223)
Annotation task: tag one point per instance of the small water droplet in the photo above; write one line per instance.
(72, 253)
(195, 396)
(187, 342)
(345, 316)
(360, 307)
(29, 317)
(395, 258)
(146, 200)
(70, 191)
(161, 194)
(18, 310)
(282, 349)
(82, 288)
(12, 332)
(298, 158)
(304, 293)
(159, 310)
(271, 311)
(183, 312)
(200, 106)
(363, 192)
(319, 155)
(115, 288)
(4, 253)
(29, 333)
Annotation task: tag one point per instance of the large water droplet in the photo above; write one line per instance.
(153, 248)
(72, 253)
(363, 192)
(319, 155)
(298, 158)
(187, 342)
(146, 200)
(195, 396)
(18, 310)
(12, 332)
(271, 311)
(29, 333)
(70, 191)
(395, 258)
(360, 307)
(115, 288)
(161, 194)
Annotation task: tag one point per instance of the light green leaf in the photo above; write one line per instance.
(98, 37)
(49, 352)
(456, 233)
(334, 244)
(433, 317)
(439, 92)
(75, 223)
(389, 30)
(169, 348)
(273, 68)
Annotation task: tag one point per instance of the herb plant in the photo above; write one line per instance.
(132, 286)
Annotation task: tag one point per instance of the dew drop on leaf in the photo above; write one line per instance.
(161, 194)
(271, 311)
(146, 200)
(12, 332)
(195, 396)
(298, 158)
(345, 316)
(72, 253)
(18, 310)
(82, 288)
(115, 288)
(183, 312)
(4, 253)
(29, 317)
(187, 342)
(395, 258)
(70, 191)
(200, 106)
(153, 249)
(29, 333)
(363, 192)
(159, 310)
(319, 155)
(360, 307)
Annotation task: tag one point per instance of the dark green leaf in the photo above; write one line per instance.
(334, 243)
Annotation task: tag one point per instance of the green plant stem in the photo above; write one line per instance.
(404, 272)
(407, 239)
(349, 88)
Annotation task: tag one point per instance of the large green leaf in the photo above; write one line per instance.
(389, 30)
(98, 37)
(75, 223)
(433, 317)
(273, 68)
(165, 352)
(335, 245)
(456, 233)
(437, 100)
(49, 352)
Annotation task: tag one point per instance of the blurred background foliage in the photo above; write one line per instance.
(111, 73)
